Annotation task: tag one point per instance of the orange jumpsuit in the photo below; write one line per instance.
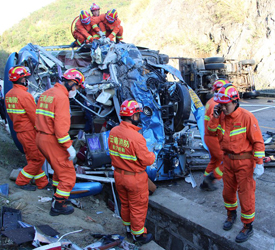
(111, 30)
(241, 140)
(130, 157)
(21, 110)
(84, 32)
(53, 124)
(212, 142)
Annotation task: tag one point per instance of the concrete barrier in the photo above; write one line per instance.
(179, 224)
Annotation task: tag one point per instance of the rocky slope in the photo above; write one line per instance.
(233, 29)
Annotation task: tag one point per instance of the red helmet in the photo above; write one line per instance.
(85, 17)
(94, 7)
(128, 108)
(111, 15)
(218, 84)
(74, 75)
(18, 72)
(226, 94)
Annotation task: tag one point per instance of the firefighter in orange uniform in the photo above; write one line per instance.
(53, 124)
(21, 107)
(214, 169)
(109, 25)
(130, 157)
(83, 32)
(243, 146)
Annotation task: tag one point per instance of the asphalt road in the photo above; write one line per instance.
(265, 186)
(263, 111)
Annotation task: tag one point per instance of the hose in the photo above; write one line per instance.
(72, 25)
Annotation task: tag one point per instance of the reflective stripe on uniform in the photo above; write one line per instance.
(206, 173)
(39, 176)
(45, 112)
(113, 33)
(55, 183)
(221, 129)
(259, 154)
(123, 156)
(95, 36)
(16, 111)
(141, 231)
(62, 193)
(207, 118)
(238, 131)
(23, 172)
(119, 37)
(94, 26)
(64, 139)
(231, 205)
(212, 129)
(248, 216)
(126, 223)
(218, 171)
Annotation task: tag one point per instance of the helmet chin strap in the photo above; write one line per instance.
(134, 122)
(25, 84)
(68, 87)
(238, 104)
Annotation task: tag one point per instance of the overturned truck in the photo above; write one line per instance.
(113, 73)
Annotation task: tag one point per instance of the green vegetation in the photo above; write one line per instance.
(51, 25)
(3, 59)
(228, 11)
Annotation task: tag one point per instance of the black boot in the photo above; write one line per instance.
(27, 187)
(128, 232)
(245, 233)
(59, 207)
(209, 180)
(231, 217)
(208, 183)
(142, 238)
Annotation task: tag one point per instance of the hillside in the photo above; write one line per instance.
(233, 29)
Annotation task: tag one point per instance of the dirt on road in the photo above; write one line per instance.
(94, 217)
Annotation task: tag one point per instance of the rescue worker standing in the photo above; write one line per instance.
(109, 25)
(214, 168)
(95, 10)
(21, 108)
(53, 124)
(130, 157)
(241, 140)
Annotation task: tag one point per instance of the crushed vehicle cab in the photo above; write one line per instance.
(201, 73)
(113, 73)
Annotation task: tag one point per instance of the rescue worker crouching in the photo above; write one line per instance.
(243, 146)
(53, 124)
(130, 157)
(110, 26)
(21, 108)
(214, 169)
(83, 32)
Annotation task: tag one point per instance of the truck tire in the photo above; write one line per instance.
(247, 62)
(214, 66)
(251, 94)
(213, 60)
(184, 107)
